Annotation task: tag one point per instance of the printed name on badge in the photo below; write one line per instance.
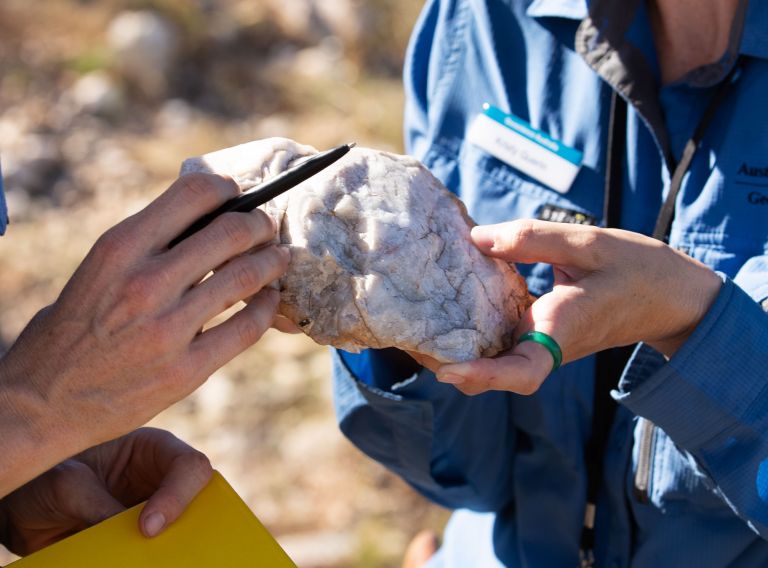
(525, 148)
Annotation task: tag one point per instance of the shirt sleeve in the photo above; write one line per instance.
(711, 398)
(427, 432)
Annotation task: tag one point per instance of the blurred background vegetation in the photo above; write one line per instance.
(100, 101)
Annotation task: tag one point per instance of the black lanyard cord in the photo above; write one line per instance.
(667, 213)
(610, 363)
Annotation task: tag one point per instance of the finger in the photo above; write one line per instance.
(185, 473)
(284, 325)
(153, 465)
(529, 241)
(186, 200)
(423, 547)
(238, 279)
(425, 360)
(522, 371)
(218, 345)
(226, 237)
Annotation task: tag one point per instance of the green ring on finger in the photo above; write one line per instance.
(548, 342)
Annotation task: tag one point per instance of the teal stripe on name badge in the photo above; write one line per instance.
(534, 135)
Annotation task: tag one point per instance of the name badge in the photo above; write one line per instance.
(525, 148)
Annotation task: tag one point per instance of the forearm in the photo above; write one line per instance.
(32, 440)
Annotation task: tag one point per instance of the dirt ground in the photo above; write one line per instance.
(85, 140)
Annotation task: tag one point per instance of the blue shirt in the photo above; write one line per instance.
(690, 491)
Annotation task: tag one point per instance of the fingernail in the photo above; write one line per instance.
(285, 251)
(154, 524)
(451, 379)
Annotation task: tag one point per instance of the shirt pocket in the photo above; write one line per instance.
(495, 192)
(667, 478)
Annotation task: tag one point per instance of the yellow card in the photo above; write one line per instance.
(217, 530)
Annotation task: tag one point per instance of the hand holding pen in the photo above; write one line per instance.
(123, 341)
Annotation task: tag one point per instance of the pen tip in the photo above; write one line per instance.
(351, 145)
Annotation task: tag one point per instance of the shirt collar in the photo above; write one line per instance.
(754, 36)
(571, 9)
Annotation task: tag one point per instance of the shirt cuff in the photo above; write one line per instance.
(715, 381)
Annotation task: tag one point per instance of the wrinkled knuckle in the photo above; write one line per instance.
(112, 242)
(519, 235)
(592, 237)
(247, 277)
(205, 188)
(250, 331)
(194, 186)
(594, 241)
(237, 230)
(265, 224)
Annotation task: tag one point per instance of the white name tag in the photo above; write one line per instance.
(525, 148)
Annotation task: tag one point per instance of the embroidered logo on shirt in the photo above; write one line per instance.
(563, 215)
(753, 171)
(755, 178)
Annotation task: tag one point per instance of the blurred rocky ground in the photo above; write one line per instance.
(99, 103)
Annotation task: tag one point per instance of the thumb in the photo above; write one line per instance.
(528, 241)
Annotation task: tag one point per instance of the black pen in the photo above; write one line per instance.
(259, 195)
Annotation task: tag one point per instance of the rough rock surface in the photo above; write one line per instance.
(381, 255)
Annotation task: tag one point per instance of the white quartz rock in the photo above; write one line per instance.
(381, 255)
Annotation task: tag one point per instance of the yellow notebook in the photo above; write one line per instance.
(217, 530)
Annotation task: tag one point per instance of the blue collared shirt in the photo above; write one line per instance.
(692, 491)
